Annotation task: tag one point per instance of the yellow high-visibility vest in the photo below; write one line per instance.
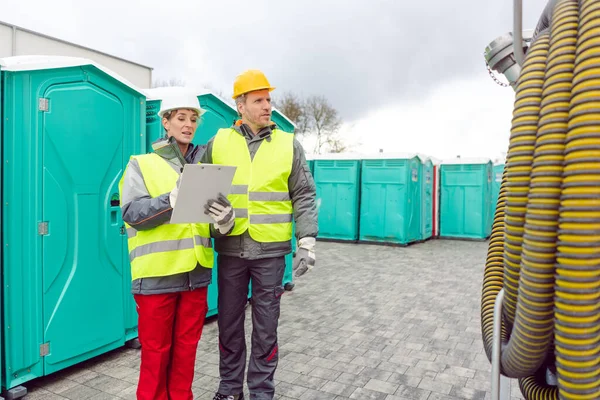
(167, 249)
(259, 193)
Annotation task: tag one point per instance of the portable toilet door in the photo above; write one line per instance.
(219, 114)
(465, 198)
(65, 258)
(337, 178)
(282, 122)
(390, 199)
(427, 201)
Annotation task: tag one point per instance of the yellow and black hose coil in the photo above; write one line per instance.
(545, 244)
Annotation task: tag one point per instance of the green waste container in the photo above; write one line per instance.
(497, 172)
(66, 279)
(427, 215)
(465, 198)
(219, 114)
(283, 122)
(337, 178)
(390, 199)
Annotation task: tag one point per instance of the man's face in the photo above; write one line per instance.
(256, 110)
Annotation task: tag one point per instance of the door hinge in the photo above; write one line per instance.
(43, 104)
(122, 230)
(44, 349)
(42, 228)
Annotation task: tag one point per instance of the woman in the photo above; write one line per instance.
(171, 264)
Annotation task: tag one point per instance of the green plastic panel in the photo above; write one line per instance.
(338, 189)
(390, 200)
(218, 115)
(282, 121)
(497, 172)
(465, 200)
(427, 230)
(67, 288)
(311, 166)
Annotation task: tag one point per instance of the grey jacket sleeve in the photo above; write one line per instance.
(303, 193)
(138, 209)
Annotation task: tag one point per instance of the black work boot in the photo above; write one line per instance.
(219, 396)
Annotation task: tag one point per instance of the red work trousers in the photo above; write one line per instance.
(169, 329)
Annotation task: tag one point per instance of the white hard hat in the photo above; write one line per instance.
(179, 98)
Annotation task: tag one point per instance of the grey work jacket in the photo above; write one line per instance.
(302, 192)
(143, 212)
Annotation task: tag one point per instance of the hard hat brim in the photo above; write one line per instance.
(200, 111)
(269, 88)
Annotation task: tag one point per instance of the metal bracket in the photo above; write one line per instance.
(42, 104)
(500, 383)
(42, 228)
(44, 349)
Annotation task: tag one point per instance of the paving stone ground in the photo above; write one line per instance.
(369, 322)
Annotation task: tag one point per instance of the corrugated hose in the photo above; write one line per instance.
(545, 244)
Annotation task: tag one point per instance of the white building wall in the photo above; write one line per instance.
(26, 42)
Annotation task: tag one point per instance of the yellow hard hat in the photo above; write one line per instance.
(249, 81)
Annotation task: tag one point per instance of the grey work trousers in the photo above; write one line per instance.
(233, 278)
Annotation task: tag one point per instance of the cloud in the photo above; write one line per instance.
(363, 56)
(466, 117)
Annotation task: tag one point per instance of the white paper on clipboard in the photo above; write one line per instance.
(200, 183)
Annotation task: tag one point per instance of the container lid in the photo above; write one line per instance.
(39, 62)
(159, 93)
(464, 161)
(335, 156)
(391, 156)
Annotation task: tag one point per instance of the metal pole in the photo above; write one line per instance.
(496, 345)
(518, 32)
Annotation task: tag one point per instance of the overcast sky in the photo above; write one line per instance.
(406, 76)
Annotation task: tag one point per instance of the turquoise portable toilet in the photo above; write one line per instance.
(337, 178)
(69, 127)
(498, 171)
(427, 196)
(219, 114)
(283, 122)
(465, 198)
(390, 199)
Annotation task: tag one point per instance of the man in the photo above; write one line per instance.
(272, 187)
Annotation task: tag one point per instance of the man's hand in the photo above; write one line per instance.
(221, 211)
(304, 258)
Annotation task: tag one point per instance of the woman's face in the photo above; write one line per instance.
(181, 124)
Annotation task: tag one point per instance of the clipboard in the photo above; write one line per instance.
(200, 183)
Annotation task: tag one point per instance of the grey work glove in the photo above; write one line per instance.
(304, 257)
(221, 211)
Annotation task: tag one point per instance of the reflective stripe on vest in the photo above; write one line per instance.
(259, 192)
(167, 249)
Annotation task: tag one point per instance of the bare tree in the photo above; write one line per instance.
(323, 121)
(337, 145)
(168, 82)
(293, 107)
